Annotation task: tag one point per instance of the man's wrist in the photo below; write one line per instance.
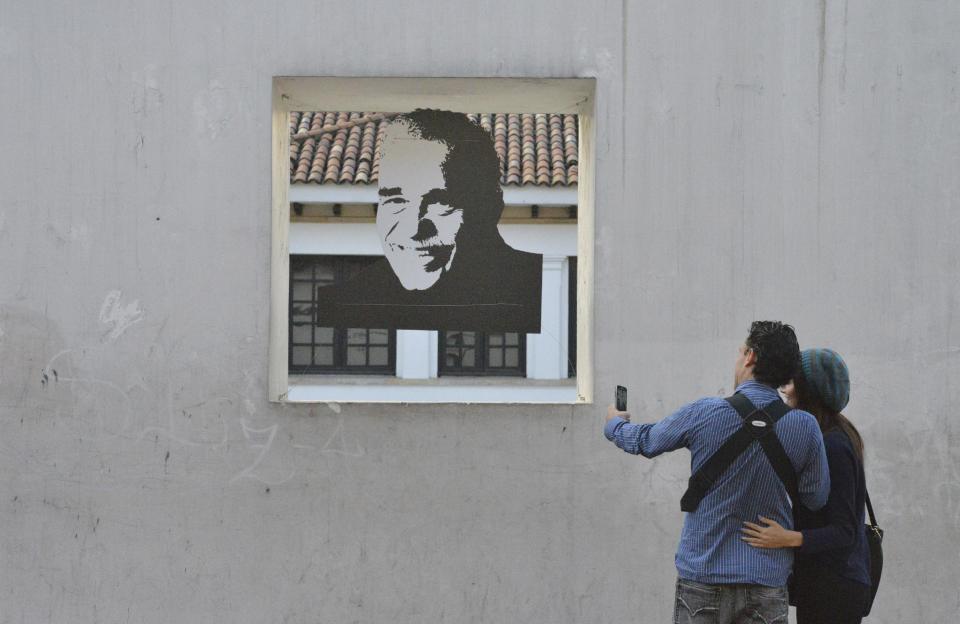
(610, 429)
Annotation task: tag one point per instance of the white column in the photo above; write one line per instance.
(416, 354)
(432, 353)
(547, 351)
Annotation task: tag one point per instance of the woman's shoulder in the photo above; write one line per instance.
(837, 442)
(836, 435)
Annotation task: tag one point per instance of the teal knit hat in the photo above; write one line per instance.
(825, 371)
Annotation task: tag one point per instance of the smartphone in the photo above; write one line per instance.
(621, 399)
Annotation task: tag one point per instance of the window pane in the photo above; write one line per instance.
(356, 356)
(379, 336)
(301, 268)
(300, 356)
(513, 358)
(379, 356)
(495, 339)
(513, 338)
(452, 358)
(356, 336)
(469, 338)
(302, 291)
(468, 359)
(324, 335)
(302, 334)
(302, 313)
(323, 356)
(495, 358)
(325, 274)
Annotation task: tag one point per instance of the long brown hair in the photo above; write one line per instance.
(809, 401)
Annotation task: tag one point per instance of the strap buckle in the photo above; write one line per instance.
(759, 422)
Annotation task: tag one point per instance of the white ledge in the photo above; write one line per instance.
(367, 194)
(447, 390)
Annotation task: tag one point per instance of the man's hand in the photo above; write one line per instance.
(613, 412)
(770, 536)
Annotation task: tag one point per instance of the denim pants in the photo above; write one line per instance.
(697, 603)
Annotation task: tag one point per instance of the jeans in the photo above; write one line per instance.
(697, 603)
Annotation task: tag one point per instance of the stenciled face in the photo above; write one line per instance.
(417, 225)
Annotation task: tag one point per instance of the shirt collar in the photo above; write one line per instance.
(755, 387)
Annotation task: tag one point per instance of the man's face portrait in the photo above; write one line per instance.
(446, 265)
(417, 225)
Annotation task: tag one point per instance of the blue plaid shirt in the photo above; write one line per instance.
(710, 549)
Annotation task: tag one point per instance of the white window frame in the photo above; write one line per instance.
(558, 95)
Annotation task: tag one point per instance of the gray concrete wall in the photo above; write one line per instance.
(755, 159)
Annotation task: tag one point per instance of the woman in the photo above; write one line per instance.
(831, 581)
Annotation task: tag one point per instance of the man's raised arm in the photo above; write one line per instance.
(649, 439)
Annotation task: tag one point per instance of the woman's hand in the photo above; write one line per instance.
(770, 536)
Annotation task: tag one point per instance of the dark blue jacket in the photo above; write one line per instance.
(834, 537)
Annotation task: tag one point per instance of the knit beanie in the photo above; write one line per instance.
(825, 371)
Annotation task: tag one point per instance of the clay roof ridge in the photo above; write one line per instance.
(344, 147)
(342, 125)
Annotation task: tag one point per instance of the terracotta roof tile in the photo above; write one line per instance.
(342, 147)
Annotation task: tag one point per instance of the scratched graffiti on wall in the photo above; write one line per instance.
(80, 386)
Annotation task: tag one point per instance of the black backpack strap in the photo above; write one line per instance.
(778, 458)
(774, 451)
(742, 404)
(710, 471)
(873, 518)
(757, 425)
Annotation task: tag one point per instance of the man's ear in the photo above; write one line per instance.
(751, 359)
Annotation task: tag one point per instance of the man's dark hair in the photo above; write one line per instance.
(778, 353)
(471, 169)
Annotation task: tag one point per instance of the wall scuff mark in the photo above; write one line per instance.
(119, 317)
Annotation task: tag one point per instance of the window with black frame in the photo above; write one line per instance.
(468, 353)
(316, 349)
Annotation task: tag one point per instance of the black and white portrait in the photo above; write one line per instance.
(445, 263)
